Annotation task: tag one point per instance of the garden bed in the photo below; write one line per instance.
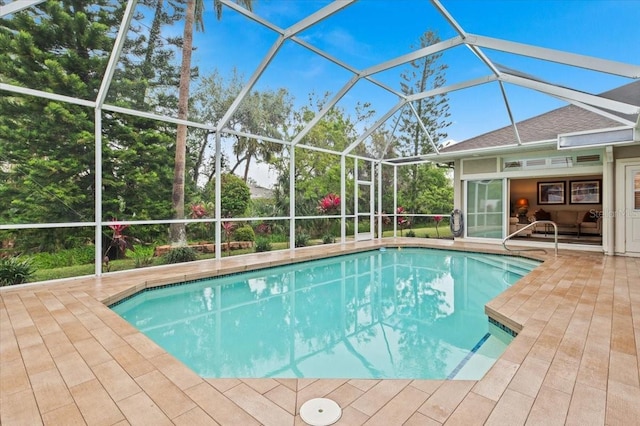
(207, 247)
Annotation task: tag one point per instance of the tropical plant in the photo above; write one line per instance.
(329, 204)
(198, 211)
(437, 219)
(302, 239)
(14, 270)
(263, 244)
(119, 241)
(328, 239)
(403, 221)
(263, 229)
(143, 256)
(228, 227)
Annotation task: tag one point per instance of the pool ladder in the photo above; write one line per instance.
(545, 222)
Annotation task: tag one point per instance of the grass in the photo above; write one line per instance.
(129, 263)
(443, 231)
(123, 265)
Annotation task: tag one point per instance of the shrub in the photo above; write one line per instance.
(328, 239)
(263, 229)
(302, 239)
(14, 270)
(142, 256)
(279, 238)
(244, 233)
(180, 255)
(410, 233)
(263, 244)
(66, 257)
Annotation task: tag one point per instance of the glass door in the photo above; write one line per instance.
(364, 200)
(485, 208)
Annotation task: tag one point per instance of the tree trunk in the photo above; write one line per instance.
(177, 231)
(246, 169)
(147, 64)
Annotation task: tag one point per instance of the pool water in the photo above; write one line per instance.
(391, 313)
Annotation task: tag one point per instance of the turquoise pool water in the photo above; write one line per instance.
(391, 313)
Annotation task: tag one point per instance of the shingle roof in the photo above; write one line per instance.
(549, 125)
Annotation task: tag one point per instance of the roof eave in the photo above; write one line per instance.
(444, 157)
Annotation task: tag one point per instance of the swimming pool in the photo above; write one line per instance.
(390, 313)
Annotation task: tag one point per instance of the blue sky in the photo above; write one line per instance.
(372, 31)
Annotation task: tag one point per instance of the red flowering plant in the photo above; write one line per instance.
(263, 228)
(198, 211)
(437, 219)
(119, 241)
(403, 221)
(228, 227)
(329, 204)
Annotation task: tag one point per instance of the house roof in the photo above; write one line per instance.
(549, 125)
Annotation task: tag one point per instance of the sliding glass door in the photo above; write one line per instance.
(485, 208)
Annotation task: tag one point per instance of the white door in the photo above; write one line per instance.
(364, 201)
(632, 210)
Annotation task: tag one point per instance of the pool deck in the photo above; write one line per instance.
(65, 358)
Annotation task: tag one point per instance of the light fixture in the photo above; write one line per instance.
(523, 207)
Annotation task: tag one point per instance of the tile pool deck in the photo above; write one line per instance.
(65, 358)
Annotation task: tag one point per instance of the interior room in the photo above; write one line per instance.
(573, 203)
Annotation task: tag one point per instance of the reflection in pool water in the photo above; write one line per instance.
(398, 313)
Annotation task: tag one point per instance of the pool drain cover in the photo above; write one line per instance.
(320, 412)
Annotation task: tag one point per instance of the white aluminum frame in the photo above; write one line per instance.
(476, 43)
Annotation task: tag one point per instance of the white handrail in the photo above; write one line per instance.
(545, 222)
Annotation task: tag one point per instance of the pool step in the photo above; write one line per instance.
(517, 265)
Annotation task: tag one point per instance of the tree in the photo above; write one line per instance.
(47, 147)
(317, 173)
(146, 67)
(177, 231)
(236, 195)
(263, 114)
(212, 98)
(424, 74)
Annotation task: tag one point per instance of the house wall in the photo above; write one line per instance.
(481, 165)
(523, 181)
(626, 151)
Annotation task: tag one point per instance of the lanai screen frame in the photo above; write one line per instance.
(475, 43)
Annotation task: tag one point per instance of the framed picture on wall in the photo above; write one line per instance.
(551, 192)
(585, 191)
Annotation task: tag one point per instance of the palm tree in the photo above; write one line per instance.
(193, 14)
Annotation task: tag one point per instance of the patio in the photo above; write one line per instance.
(67, 359)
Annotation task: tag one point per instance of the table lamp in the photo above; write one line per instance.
(522, 205)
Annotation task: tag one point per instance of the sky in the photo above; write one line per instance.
(370, 32)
